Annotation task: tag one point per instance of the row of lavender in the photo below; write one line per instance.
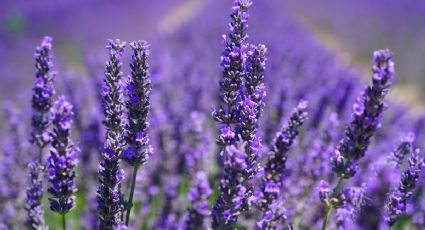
(263, 183)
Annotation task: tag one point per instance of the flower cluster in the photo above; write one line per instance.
(43, 92)
(62, 160)
(200, 190)
(233, 194)
(397, 200)
(242, 91)
(252, 105)
(232, 62)
(198, 196)
(274, 171)
(366, 117)
(405, 148)
(138, 105)
(35, 195)
(109, 191)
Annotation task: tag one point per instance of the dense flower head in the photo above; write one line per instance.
(42, 93)
(62, 160)
(138, 106)
(232, 62)
(109, 191)
(367, 114)
(404, 148)
(397, 200)
(34, 196)
(198, 196)
(255, 67)
(275, 169)
(233, 194)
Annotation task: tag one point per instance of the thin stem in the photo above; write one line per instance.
(40, 155)
(327, 217)
(63, 221)
(130, 199)
(338, 188)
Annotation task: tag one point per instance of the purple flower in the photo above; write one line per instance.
(276, 165)
(198, 196)
(233, 194)
(397, 201)
(324, 191)
(42, 93)
(405, 148)
(110, 174)
(367, 114)
(138, 106)
(62, 160)
(35, 195)
(233, 70)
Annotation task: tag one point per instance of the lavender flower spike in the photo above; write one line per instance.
(269, 195)
(198, 196)
(252, 105)
(397, 201)
(403, 149)
(43, 92)
(138, 90)
(366, 118)
(232, 197)
(62, 160)
(232, 62)
(34, 196)
(110, 174)
(138, 106)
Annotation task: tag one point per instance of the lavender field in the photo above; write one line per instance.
(212, 114)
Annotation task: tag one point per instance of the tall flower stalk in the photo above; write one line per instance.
(110, 174)
(238, 116)
(42, 96)
(274, 171)
(138, 106)
(232, 62)
(366, 120)
(397, 201)
(34, 196)
(62, 160)
(200, 190)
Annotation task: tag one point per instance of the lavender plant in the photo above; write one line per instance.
(403, 149)
(366, 120)
(35, 195)
(200, 190)
(42, 94)
(110, 173)
(62, 160)
(138, 105)
(229, 203)
(185, 177)
(242, 90)
(397, 200)
(274, 172)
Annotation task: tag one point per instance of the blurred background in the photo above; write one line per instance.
(348, 30)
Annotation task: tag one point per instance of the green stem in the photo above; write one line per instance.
(337, 190)
(130, 199)
(63, 221)
(327, 217)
